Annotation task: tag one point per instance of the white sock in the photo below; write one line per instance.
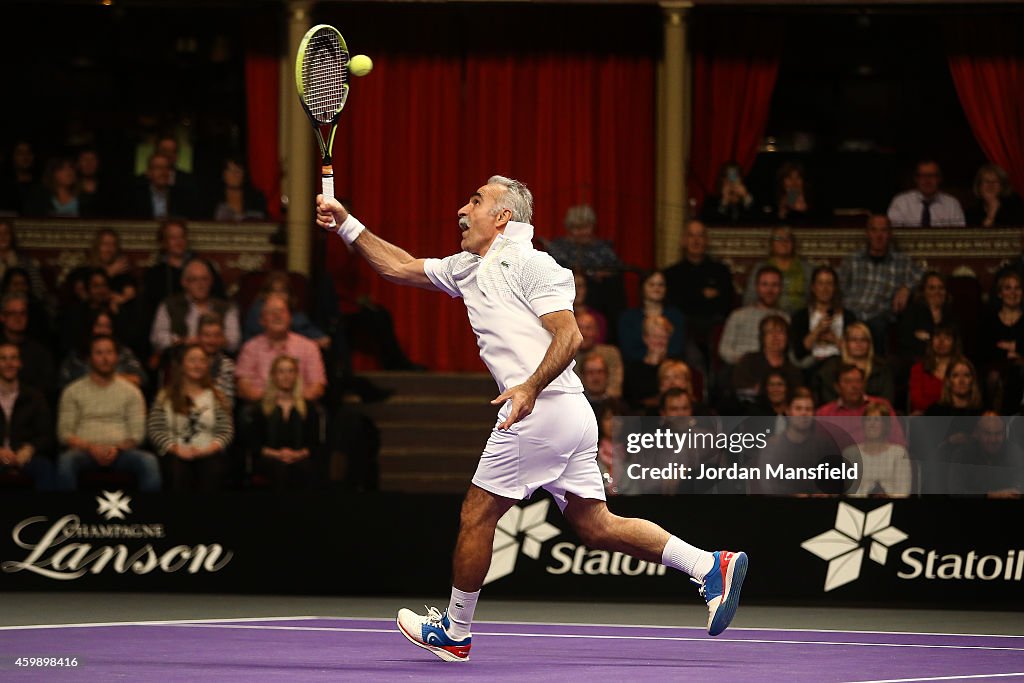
(460, 612)
(680, 555)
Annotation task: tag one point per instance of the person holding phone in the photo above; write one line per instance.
(818, 327)
(733, 205)
(794, 203)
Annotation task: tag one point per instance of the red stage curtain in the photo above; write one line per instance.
(736, 61)
(397, 158)
(422, 133)
(987, 65)
(262, 77)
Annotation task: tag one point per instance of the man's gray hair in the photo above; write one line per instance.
(517, 198)
(580, 215)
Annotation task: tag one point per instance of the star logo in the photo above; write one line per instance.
(843, 546)
(113, 505)
(526, 523)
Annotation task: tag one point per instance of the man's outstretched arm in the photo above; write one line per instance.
(392, 263)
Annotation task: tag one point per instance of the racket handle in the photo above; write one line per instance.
(327, 184)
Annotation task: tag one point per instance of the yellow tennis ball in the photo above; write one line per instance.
(360, 65)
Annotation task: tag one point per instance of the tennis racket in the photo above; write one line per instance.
(321, 78)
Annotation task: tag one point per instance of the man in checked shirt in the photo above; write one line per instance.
(877, 281)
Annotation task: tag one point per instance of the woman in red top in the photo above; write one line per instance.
(927, 376)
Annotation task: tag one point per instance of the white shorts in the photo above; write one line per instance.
(554, 448)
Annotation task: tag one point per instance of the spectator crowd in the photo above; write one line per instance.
(157, 375)
(151, 377)
(858, 345)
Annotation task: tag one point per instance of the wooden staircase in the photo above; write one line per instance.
(432, 429)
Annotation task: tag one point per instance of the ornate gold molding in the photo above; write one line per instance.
(820, 244)
(141, 235)
(62, 245)
(961, 251)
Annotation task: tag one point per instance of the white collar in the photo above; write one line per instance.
(519, 232)
(935, 199)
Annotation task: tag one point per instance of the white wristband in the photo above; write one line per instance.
(350, 229)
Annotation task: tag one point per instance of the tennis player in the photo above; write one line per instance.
(519, 302)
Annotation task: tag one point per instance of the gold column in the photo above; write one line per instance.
(297, 184)
(672, 140)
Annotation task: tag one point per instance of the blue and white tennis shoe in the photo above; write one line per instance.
(721, 589)
(431, 633)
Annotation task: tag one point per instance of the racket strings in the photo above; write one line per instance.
(324, 73)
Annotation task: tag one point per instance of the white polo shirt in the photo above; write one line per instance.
(505, 293)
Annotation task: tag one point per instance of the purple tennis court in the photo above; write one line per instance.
(316, 648)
